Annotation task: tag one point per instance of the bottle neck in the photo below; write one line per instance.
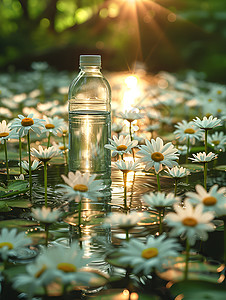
(95, 69)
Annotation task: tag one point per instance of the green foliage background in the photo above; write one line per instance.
(173, 34)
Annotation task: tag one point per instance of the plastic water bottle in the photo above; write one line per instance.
(90, 120)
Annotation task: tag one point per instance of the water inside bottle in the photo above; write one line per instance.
(88, 133)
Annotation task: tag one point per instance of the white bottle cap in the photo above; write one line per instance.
(90, 60)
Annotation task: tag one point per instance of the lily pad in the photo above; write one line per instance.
(221, 168)
(17, 223)
(199, 290)
(4, 207)
(15, 187)
(194, 168)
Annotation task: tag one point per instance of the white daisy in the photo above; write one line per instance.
(21, 177)
(187, 131)
(190, 222)
(217, 140)
(35, 165)
(130, 115)
(4, 131)
(122, 145)
(83, 185)
(212, 200)
(125, 221)
(178, 172)
(221, 211)
(53, 125)
(182, 150)
(46, 215)
(160, 200)
(154, 254)
(201, 157)
(10, 242)
(68, 262)
(156, 154)
(207, 123)
(126, 166)
(23, 124)
(38, 274)
(60, 147)
(44, 154)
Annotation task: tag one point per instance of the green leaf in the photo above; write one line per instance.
(20, 203)
(221, 168)
(17, 223)
(194, 168)
(15, 187)
(4, 207)
(200, 290)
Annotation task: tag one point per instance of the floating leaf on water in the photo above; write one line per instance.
(194, 168)
(20, 203)
(17, 223)
(4, 207)
(15, 187)
(221, 168)
(201, 290)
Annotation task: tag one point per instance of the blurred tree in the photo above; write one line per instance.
(164, 34)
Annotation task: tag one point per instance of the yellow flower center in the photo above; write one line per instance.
(189, 221)
(9, 245)
(41, 271)
(81, 188)
(121, 147)
(64, 131)
(49, 126)
(66, 267)
(4, 134)
(149, 253)
(217, 142)
(208, 115)
(189, 130)
(210, 100)
(209, 201)
(157, 156)
(62, 148)
(219, 92)
(27, 122)
(219, 110)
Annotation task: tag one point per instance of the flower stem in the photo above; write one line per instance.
(175, 189)
(65, 149)
(158, 182)
(160, 221)
(48, 144)
(206, 132)
(45, 182)
(186, 260)
(6, 159)
(125, 190)
(20, 155)
(188, 150)
(130, 131)
(47, 234)
(79, 212)
(225, 241)
(205, 174)
(127, 235)
(29, 158)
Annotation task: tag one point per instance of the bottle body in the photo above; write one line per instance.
(90, 123)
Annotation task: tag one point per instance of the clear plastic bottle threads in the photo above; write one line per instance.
(90, 119)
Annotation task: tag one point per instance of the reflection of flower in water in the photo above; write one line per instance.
(46, 215)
